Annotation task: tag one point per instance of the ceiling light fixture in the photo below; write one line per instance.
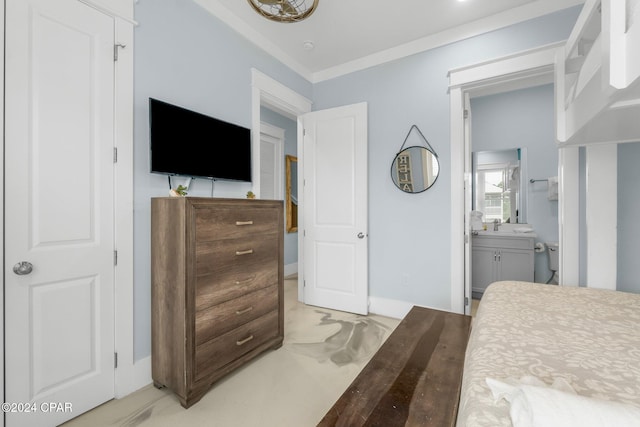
(284, 10)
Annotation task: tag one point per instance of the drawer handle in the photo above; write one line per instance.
(244, 222)
(246, 310)
(247, 252)
(244, 341)
(242, 282)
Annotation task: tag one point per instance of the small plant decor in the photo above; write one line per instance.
(179, 192)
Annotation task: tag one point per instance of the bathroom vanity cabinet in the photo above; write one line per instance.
(500, 257)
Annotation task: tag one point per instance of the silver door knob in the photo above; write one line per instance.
(361, 235)
(22, 268)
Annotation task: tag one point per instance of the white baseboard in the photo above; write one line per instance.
(389, 307)
(139, 377)
(393, 308)
(290, 269)
(142, 373)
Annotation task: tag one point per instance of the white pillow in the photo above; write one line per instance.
(535, 405)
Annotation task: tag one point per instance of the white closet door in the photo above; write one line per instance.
(59, 320)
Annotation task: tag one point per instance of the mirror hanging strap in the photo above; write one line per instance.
(422, 137)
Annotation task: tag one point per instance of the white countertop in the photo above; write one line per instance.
(504, 233)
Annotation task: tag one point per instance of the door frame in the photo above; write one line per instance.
(276, 135)
(272, 94)
(2, 205)
(512, 72)
(129, 376)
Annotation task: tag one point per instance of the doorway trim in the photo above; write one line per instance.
(518, 71)
(267, 92)
(2, 349)
(130, 375)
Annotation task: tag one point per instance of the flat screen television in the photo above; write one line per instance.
(183, 142)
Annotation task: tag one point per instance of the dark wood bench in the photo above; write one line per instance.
(413, 380)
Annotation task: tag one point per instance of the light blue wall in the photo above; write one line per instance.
(582, 165)
(290, 147)
(628, 214)
(185, 56)
(410, 233)
(628, 224)
(524, 119)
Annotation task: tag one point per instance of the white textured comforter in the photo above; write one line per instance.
(588, 337)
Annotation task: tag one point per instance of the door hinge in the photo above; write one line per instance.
(115, 360)
(304, 132)
(115, 257)
(115, 154)
(466, 114)
(304, 283)
(466, 301)
(115, 50)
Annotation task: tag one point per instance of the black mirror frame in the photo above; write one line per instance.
(394, 169)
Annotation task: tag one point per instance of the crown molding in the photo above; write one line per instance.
(226, 16)
(472, 29)
(510, 17)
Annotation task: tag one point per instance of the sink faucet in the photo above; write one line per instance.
(496, 224)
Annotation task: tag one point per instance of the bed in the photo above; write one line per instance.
(587, 338)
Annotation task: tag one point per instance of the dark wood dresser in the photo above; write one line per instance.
(216, 288)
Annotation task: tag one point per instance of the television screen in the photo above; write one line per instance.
(184, 142)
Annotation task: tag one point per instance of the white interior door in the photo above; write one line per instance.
(335, 208)
(59, 319)
(271, 159)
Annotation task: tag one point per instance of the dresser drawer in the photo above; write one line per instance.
(216, 353)
(228, 269)
(221, 256)
(219, 319)
(220, 224)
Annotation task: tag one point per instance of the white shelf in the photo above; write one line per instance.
(598, 76)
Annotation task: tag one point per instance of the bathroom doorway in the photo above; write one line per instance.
(513, 141)
(514, 73)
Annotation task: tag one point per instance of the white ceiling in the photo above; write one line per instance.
(354, 34)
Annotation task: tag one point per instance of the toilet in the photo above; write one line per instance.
(552, 252)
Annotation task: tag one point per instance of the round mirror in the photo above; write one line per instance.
(415, 169)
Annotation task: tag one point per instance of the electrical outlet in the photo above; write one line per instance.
(404, 280)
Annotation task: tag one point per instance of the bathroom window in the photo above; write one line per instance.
(494, 195)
